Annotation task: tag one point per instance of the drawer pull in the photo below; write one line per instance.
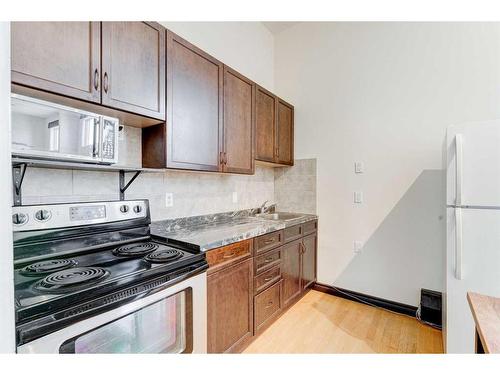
(229, 255)
(267, 242)
(268, 260)
(269, 278)
(269, 304)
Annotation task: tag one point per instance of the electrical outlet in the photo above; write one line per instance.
(235, 197)
(121, 133)
(358, 197)
(169, 199)
(357, 246)
(359, 167)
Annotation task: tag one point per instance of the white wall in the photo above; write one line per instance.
(7, 338)
(244, 46)
(383, 94)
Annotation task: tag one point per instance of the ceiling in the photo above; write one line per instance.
(278, 27)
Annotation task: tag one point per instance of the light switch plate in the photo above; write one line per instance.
(357, 246)
(169, 199)
(359, 167)
(358, 197)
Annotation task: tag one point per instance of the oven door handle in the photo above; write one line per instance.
(176, 280)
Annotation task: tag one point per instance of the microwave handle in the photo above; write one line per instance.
(96, 141)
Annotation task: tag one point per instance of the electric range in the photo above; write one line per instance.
(84, 269)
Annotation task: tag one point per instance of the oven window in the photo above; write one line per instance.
(162, 327)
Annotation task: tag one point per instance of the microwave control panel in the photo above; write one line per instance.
(109, 139)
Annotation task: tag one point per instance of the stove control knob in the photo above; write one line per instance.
(43, 215)
(124, 208)
(19, 219)
(137, 209)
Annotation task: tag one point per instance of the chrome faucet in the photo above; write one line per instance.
(263, 209)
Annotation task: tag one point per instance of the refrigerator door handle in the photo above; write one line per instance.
(459, 168)
(458, 243)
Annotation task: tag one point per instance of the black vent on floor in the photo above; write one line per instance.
(431, 306)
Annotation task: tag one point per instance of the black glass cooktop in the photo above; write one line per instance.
(46, 285)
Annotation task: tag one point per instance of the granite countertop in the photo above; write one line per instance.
(212, 231)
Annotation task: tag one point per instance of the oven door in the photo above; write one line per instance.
(170, 321)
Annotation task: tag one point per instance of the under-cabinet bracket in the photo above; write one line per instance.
(123, 186)
(18, 172)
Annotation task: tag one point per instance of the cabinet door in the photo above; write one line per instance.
(284, 138)
(230, 307)
(291, 255)
(60, 57)
(239, 102)
(194, 107)
(265, 125)
(133, 64)
(309, 260)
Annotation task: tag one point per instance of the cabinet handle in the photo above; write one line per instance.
(267, 242)
(268, 260)
(229, 255)
(105, 83)
(269, 278)
(222, 158)
(269, 304)
(225, 158)
(96, 79)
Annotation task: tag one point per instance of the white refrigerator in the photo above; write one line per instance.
(473, 226)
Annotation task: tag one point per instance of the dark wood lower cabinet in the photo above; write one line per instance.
(252, 282)
(230, 307)
(309, 245)
(268, 305)
(291, 254)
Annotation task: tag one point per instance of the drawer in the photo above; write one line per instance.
(265, 261)
(292, 233)
(267, 278)
(268, 241)
(310, 227)
(267, 305)
(229, 254)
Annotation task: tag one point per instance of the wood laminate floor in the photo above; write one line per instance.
(321, 323)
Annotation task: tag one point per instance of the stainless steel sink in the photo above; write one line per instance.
(281, 216)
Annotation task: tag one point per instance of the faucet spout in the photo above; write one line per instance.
(263, 207)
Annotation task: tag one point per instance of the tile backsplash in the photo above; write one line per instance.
(194, 193)
(295, 187)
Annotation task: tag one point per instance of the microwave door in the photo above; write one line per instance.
(47, 130)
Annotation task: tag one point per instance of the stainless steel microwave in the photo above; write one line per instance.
(47, 130)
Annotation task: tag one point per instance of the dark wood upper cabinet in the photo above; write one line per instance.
(284, 138)
(133, 67)
(239, 105)
(291, 270)
(59, 57)
(194, 107)
(309, 246)
(265, 125)
(230, 307)
(273, 129)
